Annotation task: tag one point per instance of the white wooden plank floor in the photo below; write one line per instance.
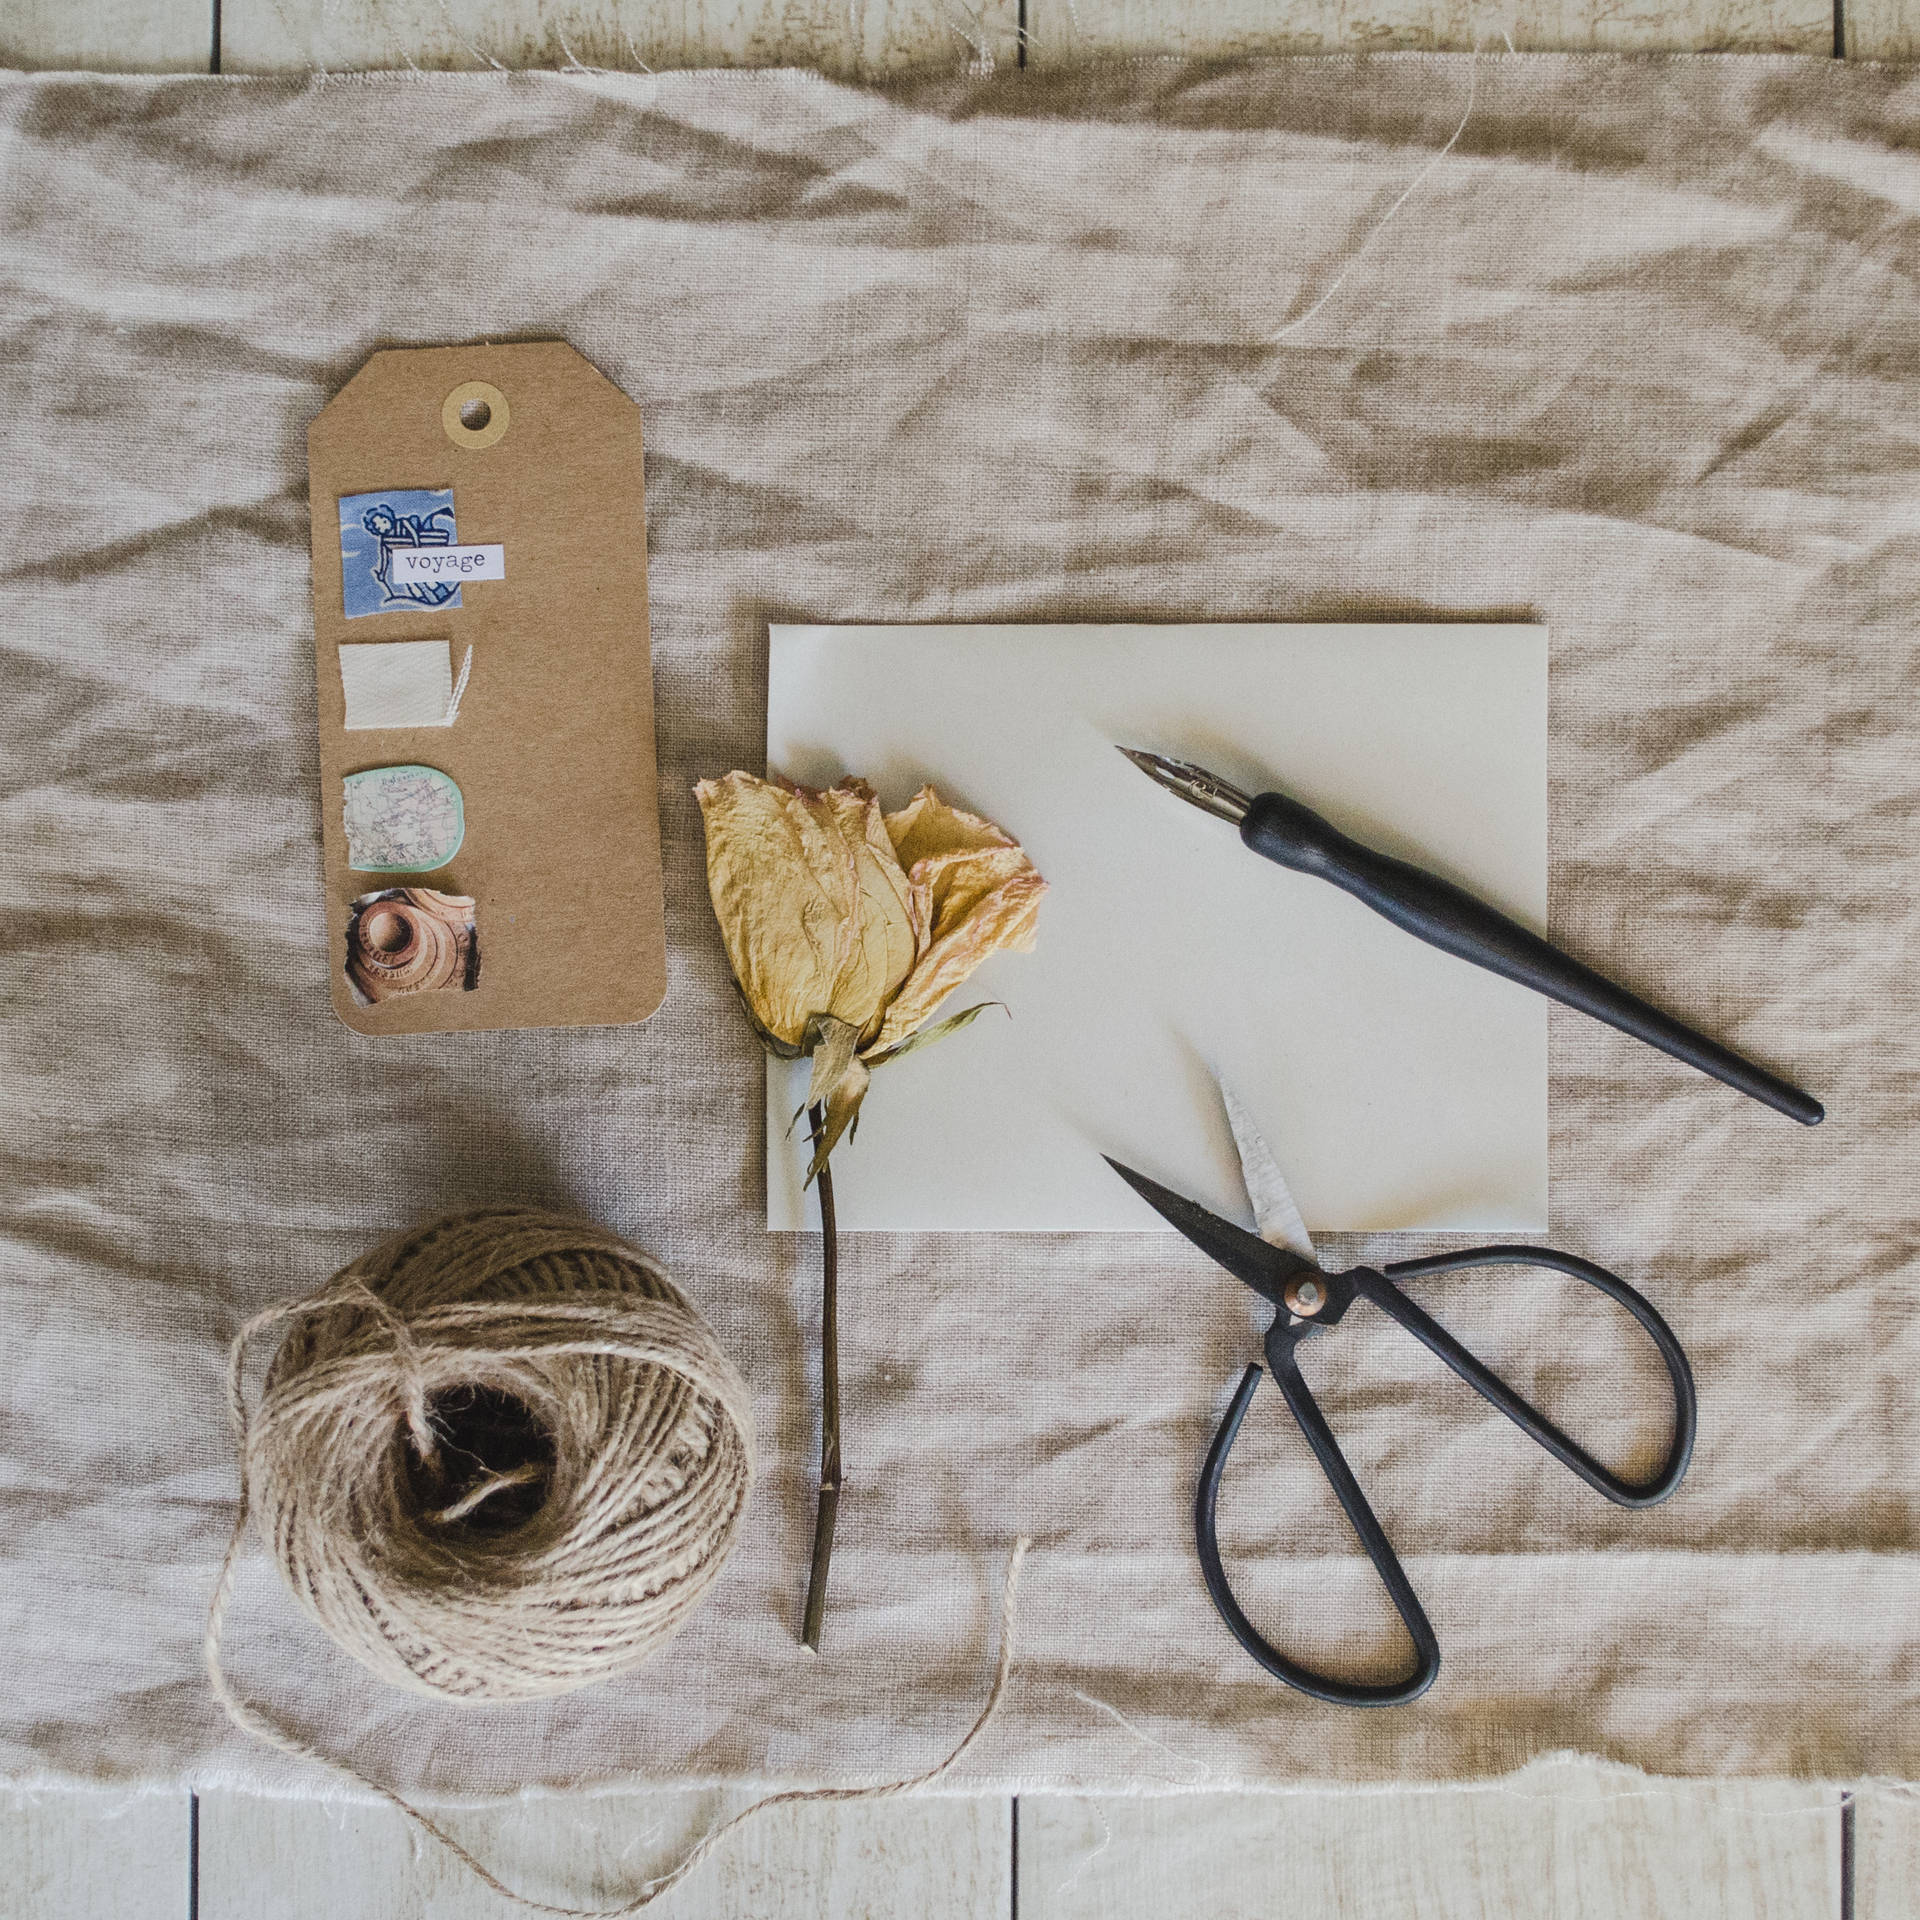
(1886, 1853)
(85, 1853)
(874, 37)
(1571, 1839)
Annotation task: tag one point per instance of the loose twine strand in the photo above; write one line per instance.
(652, 1457)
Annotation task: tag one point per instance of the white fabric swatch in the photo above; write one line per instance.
(397, 683)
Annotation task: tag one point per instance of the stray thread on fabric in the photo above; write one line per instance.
(479, 53)
(1202, 1769)
(1412, 187)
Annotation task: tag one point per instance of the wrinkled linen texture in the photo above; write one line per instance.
(1639, 358)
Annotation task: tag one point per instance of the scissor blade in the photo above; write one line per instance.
(1273, 1203)
(1266, 1269)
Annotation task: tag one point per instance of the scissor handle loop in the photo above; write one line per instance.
(1382, 1289)
(1321, 1686)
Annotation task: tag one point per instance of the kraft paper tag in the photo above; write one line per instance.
(490, 498)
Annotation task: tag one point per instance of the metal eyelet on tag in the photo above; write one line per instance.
(475, 415)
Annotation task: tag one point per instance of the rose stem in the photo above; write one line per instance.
(829, 1507)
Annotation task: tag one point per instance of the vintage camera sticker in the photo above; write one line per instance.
(411, 940)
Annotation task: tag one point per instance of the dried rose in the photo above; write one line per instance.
(846, 927)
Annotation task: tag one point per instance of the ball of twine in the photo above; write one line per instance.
(498, 1457)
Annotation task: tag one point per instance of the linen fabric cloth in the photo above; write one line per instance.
(1640, 356)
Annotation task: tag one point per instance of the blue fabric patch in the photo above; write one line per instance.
(372, 526)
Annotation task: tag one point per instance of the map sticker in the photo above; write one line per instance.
(402, 820)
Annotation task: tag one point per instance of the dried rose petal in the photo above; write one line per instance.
(812, 904)
(975, 893)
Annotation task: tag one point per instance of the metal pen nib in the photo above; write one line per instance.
(1195, 785)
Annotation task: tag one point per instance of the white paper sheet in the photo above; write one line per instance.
(1397, 1087)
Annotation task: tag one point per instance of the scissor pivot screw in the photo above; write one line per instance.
(1305, 1297)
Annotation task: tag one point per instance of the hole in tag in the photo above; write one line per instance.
(475, 415)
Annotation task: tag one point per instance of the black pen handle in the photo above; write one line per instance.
(1447, 917)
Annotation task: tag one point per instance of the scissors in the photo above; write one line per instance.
(1281, 1266)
